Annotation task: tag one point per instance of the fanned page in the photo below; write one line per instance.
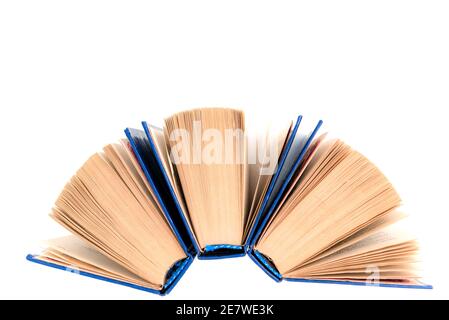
(269, 143)
(208, 150)
(109, 205)
(297, 149)
(338, 220)
(75, 254)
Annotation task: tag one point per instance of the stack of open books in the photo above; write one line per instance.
(302, 206)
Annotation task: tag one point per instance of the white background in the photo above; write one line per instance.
(74, 74)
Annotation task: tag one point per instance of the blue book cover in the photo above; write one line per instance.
(171, 279)
(148, 158)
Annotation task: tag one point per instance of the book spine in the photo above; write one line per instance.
(222, 251)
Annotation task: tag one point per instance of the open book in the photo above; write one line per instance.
(123, 230)
(304, 207)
